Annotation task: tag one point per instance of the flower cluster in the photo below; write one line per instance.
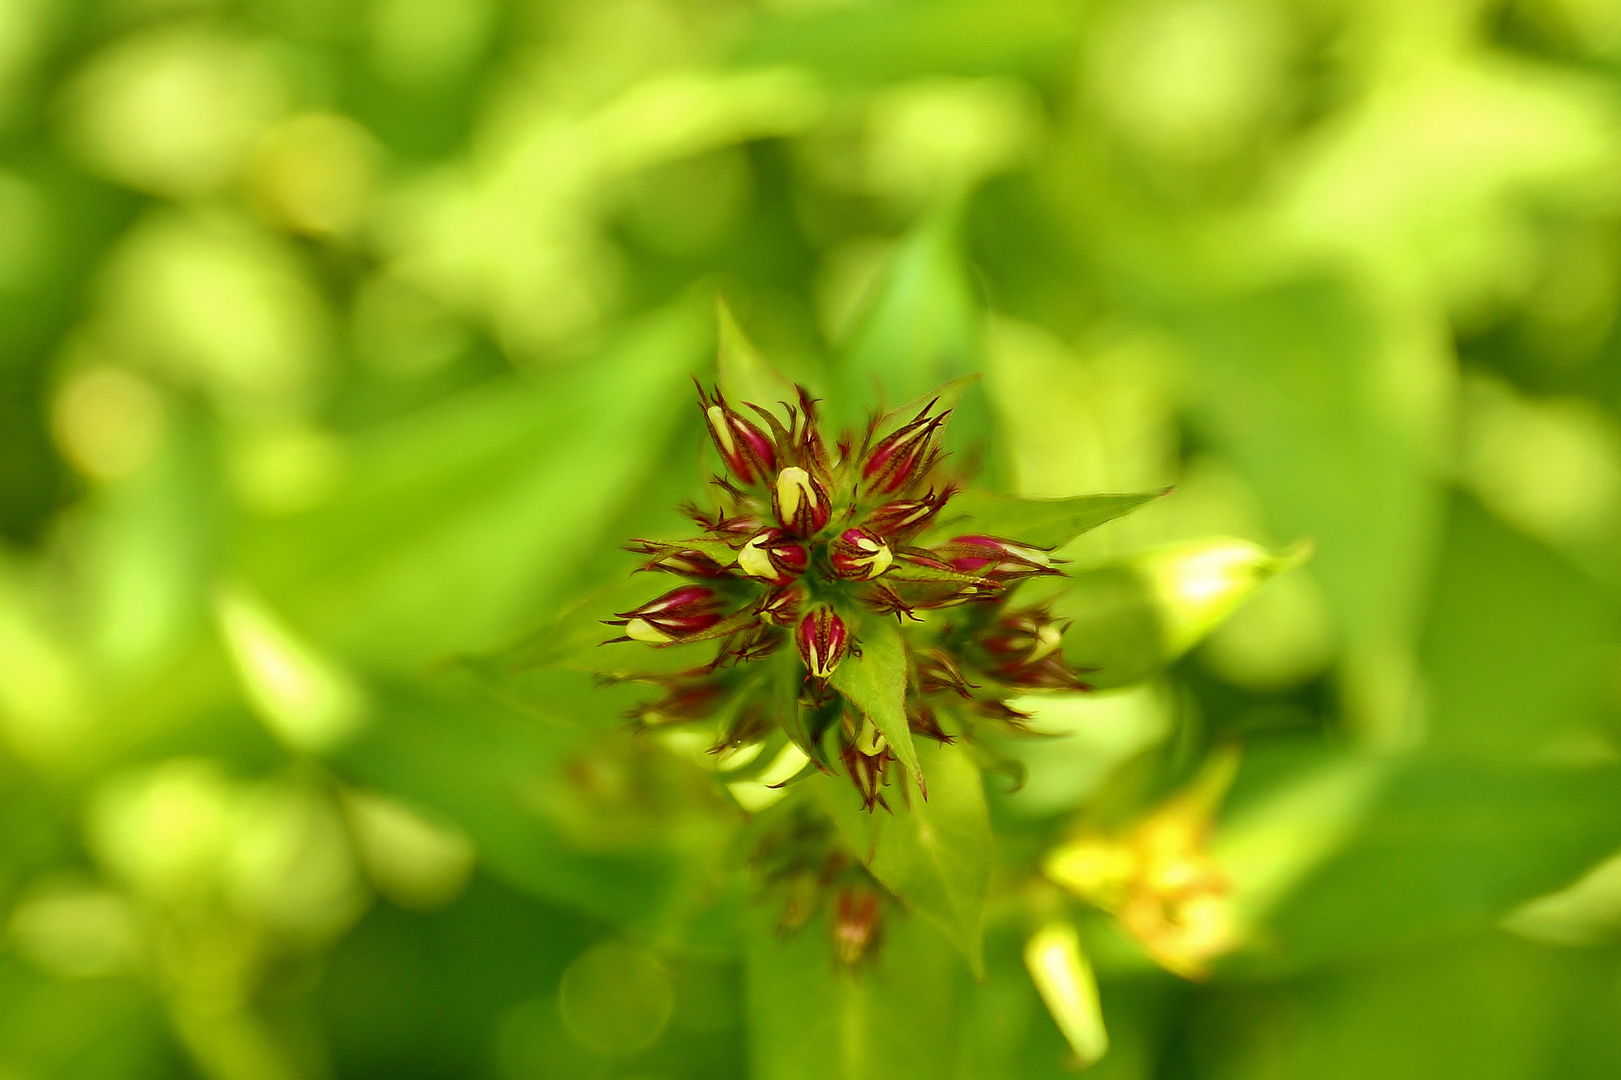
(808, 548)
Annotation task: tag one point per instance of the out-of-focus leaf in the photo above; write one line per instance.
(919, 330)
(1061, 973)
(1452, 846)
(1519, 645)
(1129, 620)
(1277, 840)
(966, 37)
(746, 377)
(1041, 522)
(1486, 1007)
(99, 1029)
(934, 854)
(491, 771)
(1297, 386)
(888, 1019)
(875, 682)
(456, 526)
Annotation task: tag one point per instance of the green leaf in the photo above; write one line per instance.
(500, 776)
(1038, 522)
(890, 1019)
(1130, 620)
(1283, 387)
(745, 375)
(919, 332)
(457, 527)
(912, 38)
(1452, 846)
(787, 679)
(875, 683)
(1518, 653)
(920, 329)
(935, 854)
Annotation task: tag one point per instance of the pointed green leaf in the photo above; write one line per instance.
(787, 677)
(875, 683)
(1040, 522)
(942, 399)
(919, 329)
(936, 855)
(457, 526)
(718, 550)
(921, 326)
(746, 375)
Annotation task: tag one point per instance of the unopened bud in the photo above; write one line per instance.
(683, 703)
(904, 457)
(781, 606)
(688, 563)
(860, 555)
(801, 502)
(823, 640)
(994, 558)
(857, 922)
(747, 451)
(898, 521)
(773, 556)
(1025, 648)
(677, 615)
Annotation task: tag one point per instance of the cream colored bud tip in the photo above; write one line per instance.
(793, 485)
(642, 630)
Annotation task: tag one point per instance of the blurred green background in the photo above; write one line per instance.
(341, 338)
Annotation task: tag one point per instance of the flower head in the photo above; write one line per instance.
(803, 554)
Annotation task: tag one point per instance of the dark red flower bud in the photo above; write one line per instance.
(857, 923)
(801, 502)
(906, 456)
(1024, 646)
(823, 640)
(781, 606)
(807, 431)
(994, 558)
(899, 521)
(1023, 636)
(937, 672)
(687, 562)
(677, 615)
(747, 451)
(860, 555)
(773, 556)
(868, 772)
(685, 702)
(1049, 673)
(922, 721)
